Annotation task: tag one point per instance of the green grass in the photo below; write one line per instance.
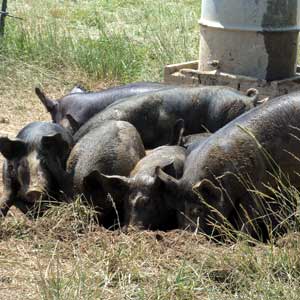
(104, 40)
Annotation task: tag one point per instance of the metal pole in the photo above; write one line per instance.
(250, 38)
(3, 14)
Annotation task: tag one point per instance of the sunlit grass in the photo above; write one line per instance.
(107, 40)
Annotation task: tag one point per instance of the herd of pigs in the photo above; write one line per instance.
(160, 157)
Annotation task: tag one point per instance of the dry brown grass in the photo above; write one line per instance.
(56, 258)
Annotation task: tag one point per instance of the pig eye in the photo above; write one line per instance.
(10, 169)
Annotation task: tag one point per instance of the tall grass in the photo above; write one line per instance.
(106, 40)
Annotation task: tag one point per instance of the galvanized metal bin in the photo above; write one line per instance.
(256, 38)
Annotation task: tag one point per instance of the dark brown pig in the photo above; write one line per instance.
(80, 105)
(26, 177)
(142, 192)
(192, 141)
(154, 115)
(259, 151)
(113, 148)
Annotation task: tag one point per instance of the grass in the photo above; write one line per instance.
(58, 258)
(64, 255)
(100, 40)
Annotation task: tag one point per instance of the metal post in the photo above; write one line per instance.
(2, 16)
(250, 38)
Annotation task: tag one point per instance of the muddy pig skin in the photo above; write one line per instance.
(141, 193)
(26, 178)
(192, 141)
(80, 105)
(155, 115)
(235, 159)
(113, 148)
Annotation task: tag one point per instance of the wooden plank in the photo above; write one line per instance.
(169, 69)
(187, 73)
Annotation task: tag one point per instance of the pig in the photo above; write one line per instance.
(143, 206)
(259, 151)
(81, 105)
(113, 148)
(26, 179)
(154, 115)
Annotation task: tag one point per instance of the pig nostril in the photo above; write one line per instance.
(33, 196)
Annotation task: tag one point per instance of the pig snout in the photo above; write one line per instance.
(33, 196)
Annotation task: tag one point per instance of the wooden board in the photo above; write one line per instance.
(187, 74)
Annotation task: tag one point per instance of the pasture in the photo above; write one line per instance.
(64, 255)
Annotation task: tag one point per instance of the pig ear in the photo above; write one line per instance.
(171, 169)
(12, 149)
(55, 144)
(115, 183)
(47, 102)
(106, 183)
(168, 180)
(169, 187)
(210, 194)
(73, 122)
(93, 180)
(177, 134)
(254, 94)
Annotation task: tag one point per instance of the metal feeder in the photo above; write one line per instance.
(245, 44)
